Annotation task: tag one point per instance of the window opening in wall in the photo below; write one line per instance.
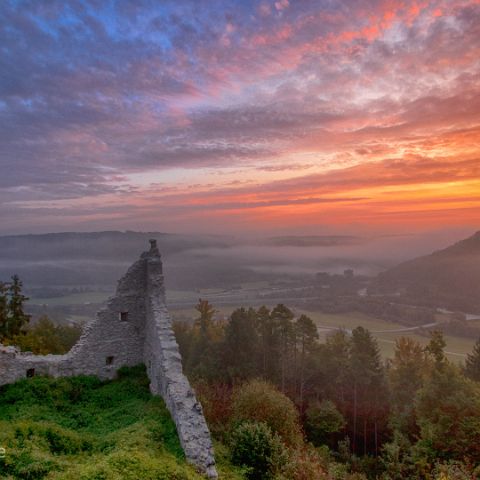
(109, 360)
(30, 372)
(123, 316)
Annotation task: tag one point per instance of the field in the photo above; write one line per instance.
(386, 333)
(85, 298)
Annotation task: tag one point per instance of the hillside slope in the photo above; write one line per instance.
(86, 429)
(448, 278)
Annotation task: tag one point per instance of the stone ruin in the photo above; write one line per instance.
(135, 327)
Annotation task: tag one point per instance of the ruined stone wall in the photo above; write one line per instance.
(135, 327)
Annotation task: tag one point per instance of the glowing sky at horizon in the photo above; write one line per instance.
(240, 116)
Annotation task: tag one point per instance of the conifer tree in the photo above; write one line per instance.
(12, 315)
(436, 347)
(472, 364)
(307, 335)
(240, 344)
(368, 383)
(267, 334)
(406, 378)
(3, 310)
(282, 317)
(18, 318)
(201, 355)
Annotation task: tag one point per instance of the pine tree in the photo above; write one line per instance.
(17, 317)
(201, 355)
(306, 335)
(266, 333)
(368, 383)
(472, 364)
(240, 344)
(282, 317)
(406, 378)
(3, 310)
(436, 347)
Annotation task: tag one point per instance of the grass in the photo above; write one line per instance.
(82, 428)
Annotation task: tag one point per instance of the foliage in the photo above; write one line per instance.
(369, 388)
(83, 428)
(240, 344)
(216, 400)
(448, 415)
(416, 417)
(455, 471)
(401, 420)
(305, 463)
(261, 402)
(44, 337)
(472, 364)
(406, 374)
(323, 419)
(436, 347)
(257, 448)
(203, 344)
(12, 315)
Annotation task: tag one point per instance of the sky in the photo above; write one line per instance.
(240, 117)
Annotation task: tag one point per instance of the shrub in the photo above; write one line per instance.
(216, 401)
(455, 471)
(259, 401)
(322, 420)
(305, 464)
(255, 446)
(64, 442)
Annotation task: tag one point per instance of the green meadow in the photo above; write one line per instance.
(85, 429)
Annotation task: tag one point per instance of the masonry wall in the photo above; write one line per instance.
(134, 328)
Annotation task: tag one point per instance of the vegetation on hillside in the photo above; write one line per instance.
(86, 429)
(448, 278)
(280, 405)
(415, 416)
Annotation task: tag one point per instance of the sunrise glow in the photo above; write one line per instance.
(248, 116)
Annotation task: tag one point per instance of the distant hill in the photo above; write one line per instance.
(98, 259)
(111, 245)
(313, 240)
(448, 278)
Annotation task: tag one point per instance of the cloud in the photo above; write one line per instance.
(360, 95)
(282, 4)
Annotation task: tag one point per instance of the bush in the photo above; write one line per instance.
(322, 420)
(306, 463)
(255, 446)
(259, 401)
(216, 401)
(455, 471)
